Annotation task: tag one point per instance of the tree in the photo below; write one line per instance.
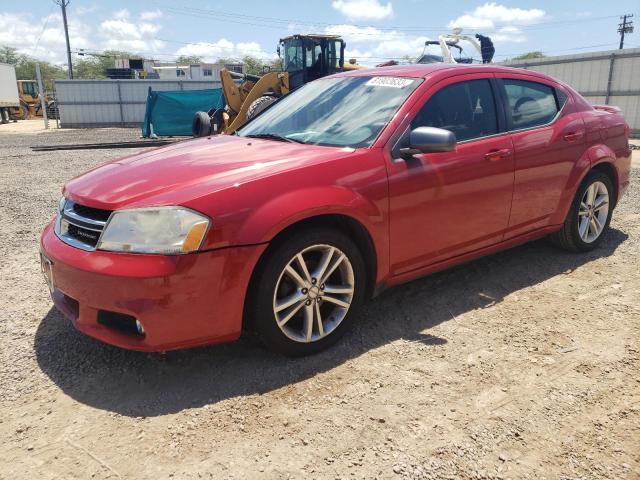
(189, 60)
(9, 55)
(530, 55)
(256, 66)
(26, 67)
(26, 70)
(95, 65)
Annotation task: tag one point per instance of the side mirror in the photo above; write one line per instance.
(429, 140)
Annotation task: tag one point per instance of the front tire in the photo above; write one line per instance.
(588, 219)
(24, 111)
(260, 104)
(305, 292)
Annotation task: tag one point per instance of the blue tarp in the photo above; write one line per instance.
(171, 113)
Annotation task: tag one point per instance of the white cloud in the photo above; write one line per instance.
(121, 14)
(85, 9)
(486, 16)
(224, 48)
(121, 33)
(472, 22)
(352, 33)
(363, 9)
(150, 14)
(373, 46)
(42, 38)
(508, 35)
(499, 22)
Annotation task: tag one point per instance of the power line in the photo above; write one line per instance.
(214, 45)
(277, 23)
(562, 50)
(44, 27)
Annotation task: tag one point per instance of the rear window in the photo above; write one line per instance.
(530, 104)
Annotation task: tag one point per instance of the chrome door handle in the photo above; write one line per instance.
(495, 155)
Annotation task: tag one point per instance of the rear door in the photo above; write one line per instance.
(547, 142)
(449, 203)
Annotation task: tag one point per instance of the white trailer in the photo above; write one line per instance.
(9, 97)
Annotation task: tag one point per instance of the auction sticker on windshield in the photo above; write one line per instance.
(393, 82)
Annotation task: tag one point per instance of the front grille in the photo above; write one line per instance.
(91, 213)
(90, 237)
(81, 226)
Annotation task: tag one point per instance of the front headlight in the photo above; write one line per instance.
(163, 230)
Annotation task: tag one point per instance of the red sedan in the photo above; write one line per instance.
(351, 184)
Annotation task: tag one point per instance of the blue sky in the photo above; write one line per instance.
(374, 29)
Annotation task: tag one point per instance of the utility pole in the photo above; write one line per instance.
(63, 4)
(43, 104)
(625, 27)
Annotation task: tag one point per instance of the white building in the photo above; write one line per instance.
(200, 71)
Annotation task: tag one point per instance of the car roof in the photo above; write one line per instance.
(424, 70)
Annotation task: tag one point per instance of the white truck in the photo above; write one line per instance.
(9, 97)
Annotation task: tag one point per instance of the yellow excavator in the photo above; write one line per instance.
(305, 58)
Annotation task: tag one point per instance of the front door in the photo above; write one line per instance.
(446, 204)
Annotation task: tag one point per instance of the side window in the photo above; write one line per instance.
(561, 97)
(467, 109)
(531, 104)
(314, 52)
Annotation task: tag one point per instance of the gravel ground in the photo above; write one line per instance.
(524, 364)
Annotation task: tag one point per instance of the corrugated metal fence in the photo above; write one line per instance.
(112, 103)
(609, 78)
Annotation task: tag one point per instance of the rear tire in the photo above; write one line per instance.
(587, 222)
(258, 105)
(282, 304)
(201, 125)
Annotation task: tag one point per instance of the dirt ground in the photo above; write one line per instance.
(524, 364)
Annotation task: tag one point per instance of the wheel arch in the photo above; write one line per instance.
(598, 157)
(348, 225)
(607, 167)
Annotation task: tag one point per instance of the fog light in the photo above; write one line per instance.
(139, 327)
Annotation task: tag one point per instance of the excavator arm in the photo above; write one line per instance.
(240, 98)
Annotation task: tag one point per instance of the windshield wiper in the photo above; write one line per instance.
(273, 136)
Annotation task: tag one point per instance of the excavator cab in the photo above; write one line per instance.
(309, 57)
(28, 90)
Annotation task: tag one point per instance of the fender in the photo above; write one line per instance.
(604, 154)
(592, 156)
(271, 218)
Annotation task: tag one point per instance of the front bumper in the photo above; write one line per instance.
(182, 301)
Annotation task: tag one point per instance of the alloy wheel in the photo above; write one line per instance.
(313, 293)
(593, 212)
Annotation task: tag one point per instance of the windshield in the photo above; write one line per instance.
(293, 55)
(344, 112)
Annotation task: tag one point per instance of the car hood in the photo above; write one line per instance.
(178, 173)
